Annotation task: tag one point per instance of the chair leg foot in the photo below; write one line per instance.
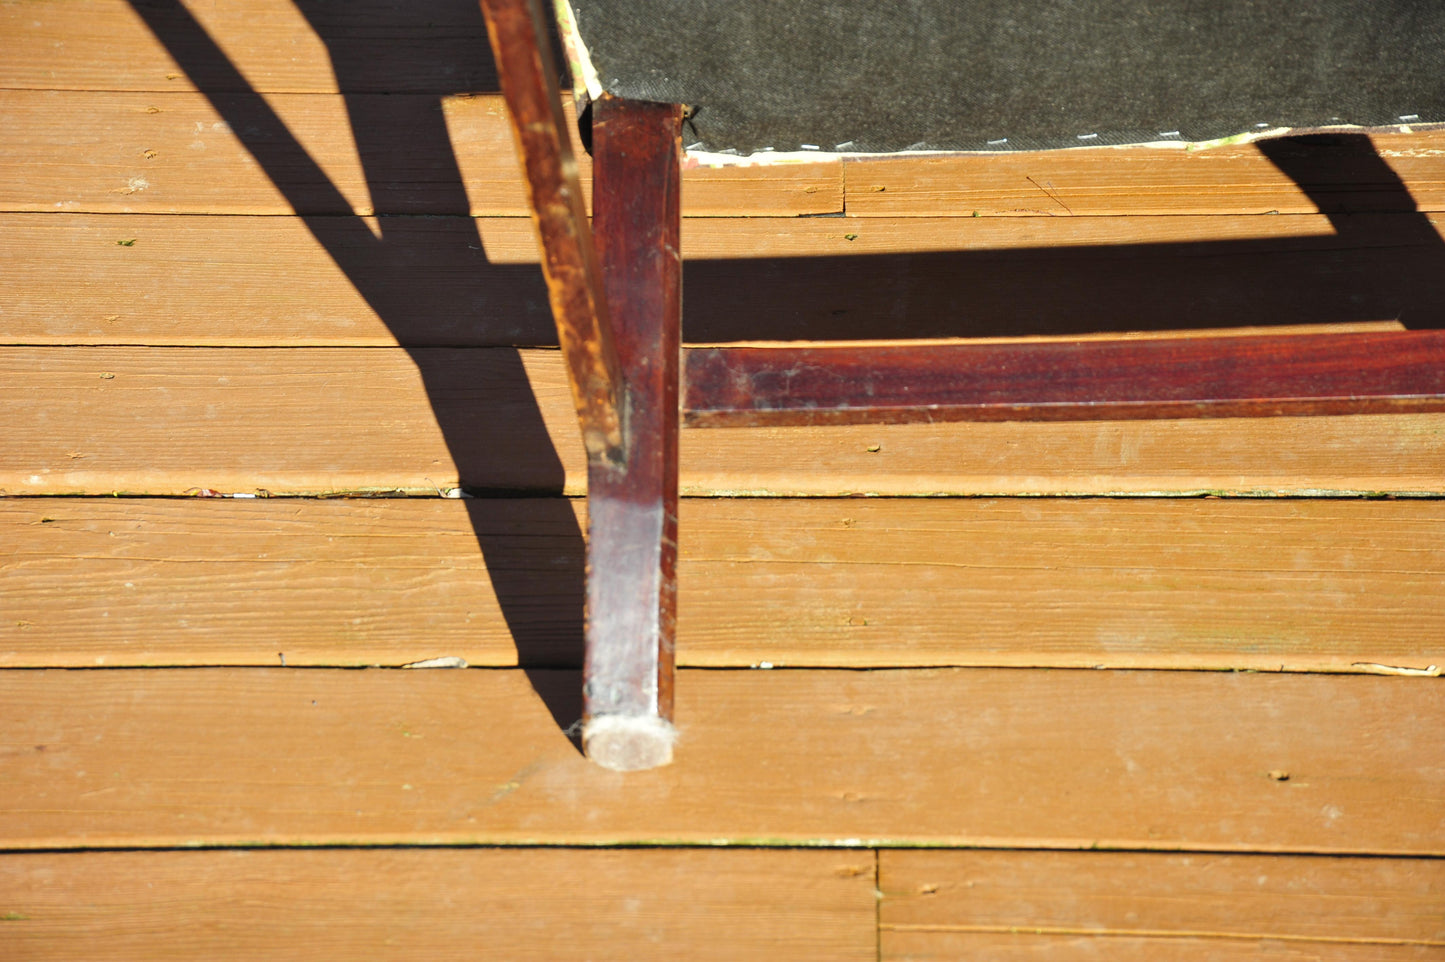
(628, 743)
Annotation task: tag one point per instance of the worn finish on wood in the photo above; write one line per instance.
(1072, 905)
(1143, 180)
(554, 194)
(1258, 376)
(1042, 582)
(301, 582)
(1072, 948)
(1149, 760)
(427, 46)
(437, 47)
(71, 151)
(1362, 454)
(1214, 584)
(174, 420)
(453, 281)
(164, 420)
(445, 905)
(632, 500)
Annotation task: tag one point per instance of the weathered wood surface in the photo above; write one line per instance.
(1014, 758)
(361, 46)
(419, 281)
(1069, 905)
(1337, 170)
(128, 152)
(1390, 372)
(439, 904)
(632, 499)
(972, 757)
(1212, 584)
(165, 151)
(168, 421)
(569, 258)
(439, 47)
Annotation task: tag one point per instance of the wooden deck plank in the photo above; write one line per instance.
(1213, 584)
(1067, 948)
(169, 151)
(439, 47)
(1072, 905)
(444, 905)
(427, 46)
(361, 154)
(453, 281)
(1146, 180)
(171, 421)
(1137, 760)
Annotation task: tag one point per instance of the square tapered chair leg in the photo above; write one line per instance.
(617, 304)
(632, 501)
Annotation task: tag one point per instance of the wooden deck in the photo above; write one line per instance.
(270, 307)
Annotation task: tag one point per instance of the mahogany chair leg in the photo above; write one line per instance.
(622, 364)
(569, 260)
(632, 502)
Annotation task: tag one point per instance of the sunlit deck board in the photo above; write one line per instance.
(981, 756)
(1213, 584)
(424, 46)
(169, 421)
(234, 280)
(1147, 760)
(1236, 180)
(163, 152)
(1068, 905)
(438, 904)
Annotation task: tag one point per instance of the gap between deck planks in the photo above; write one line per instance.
(944, 757)
(425, 281)
(439, 905)
(171, 421)
(1068, 905)
(1215, 584)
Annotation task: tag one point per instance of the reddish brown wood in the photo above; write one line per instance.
(528, 75)
(632, 503)
(1351, 373)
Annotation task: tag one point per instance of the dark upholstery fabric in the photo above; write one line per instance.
(888, 75)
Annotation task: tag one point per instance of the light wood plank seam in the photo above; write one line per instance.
(1060, 930)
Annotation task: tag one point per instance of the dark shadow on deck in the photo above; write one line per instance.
(429, 279)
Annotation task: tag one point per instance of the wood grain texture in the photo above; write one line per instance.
(1215, 584)
(438, 46)
(1067, 948)
(1138, 760)
(1145, 180)
(362, 154)
(429, 46)
(1258, 376)
(445, 905)
(260, 409)
(632, 501)
(91, 420)
(1069, 905)
(554, 196)
(454, 281)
